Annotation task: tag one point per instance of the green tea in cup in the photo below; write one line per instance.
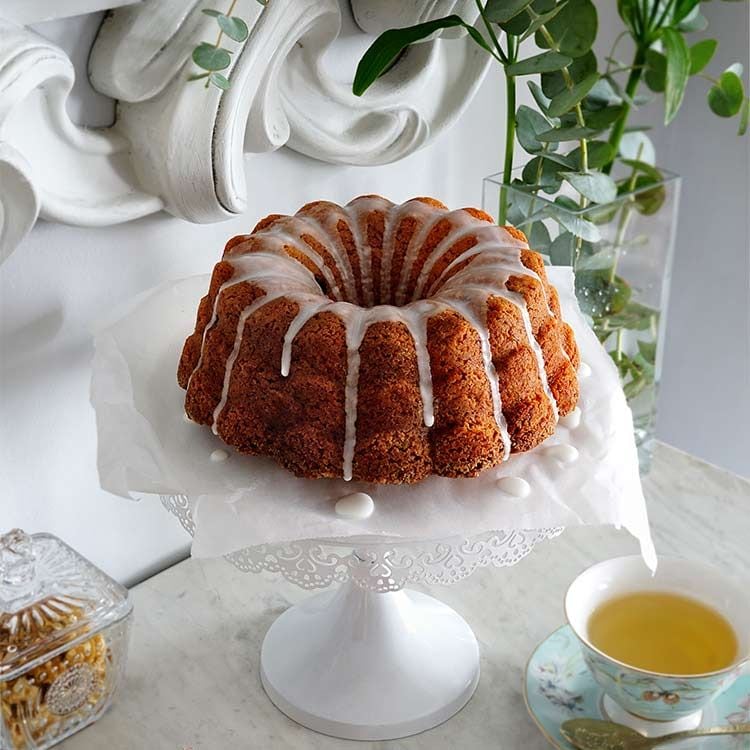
(664, 632)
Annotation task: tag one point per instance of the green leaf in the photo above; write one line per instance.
(647, 350)
(529, 123)
(573, 29)
(656, 71)
(596, 186)
(566, 100)
(601, 119)
(598, 296)
(635, 144)
(501, 11)
(209, 57)
(678, 72)
(599, 154)
(701, 54)
(548, 178)
(385, 50)
(564, 160)
(634, 317)
(574, 223)
(647, 169)
(538, 237)
(219, 81)
(542, 20)
(648, 196)
(559, 135)
(235, 28)
(562, 249)
(582, 67)
(542, 63)
(541, 100)
(683, 8)
(725, 99)
(211, 12)
(744, 117)
(694, 21)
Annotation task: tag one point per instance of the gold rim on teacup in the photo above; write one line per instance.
(744, 654)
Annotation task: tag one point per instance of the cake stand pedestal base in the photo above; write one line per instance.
(364, 665)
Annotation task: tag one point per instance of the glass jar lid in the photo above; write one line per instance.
(49, 596)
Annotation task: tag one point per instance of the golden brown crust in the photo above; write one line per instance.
(299, 420)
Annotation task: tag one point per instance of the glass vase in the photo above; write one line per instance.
(621, 253)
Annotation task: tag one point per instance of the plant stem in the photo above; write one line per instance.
(510, 129)
(510, 138)
(630, 88)
(221, 33)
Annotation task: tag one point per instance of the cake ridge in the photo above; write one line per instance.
(277, 260)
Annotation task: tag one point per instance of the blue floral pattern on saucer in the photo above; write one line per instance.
(558, 686)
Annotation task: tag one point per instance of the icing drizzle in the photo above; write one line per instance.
(463, 285)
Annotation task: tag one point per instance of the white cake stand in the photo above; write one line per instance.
(371, 660)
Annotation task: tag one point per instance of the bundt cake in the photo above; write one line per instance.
(380, 342)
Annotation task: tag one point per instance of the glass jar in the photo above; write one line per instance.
(621, 253)
(64, 628)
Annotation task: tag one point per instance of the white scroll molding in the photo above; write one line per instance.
(179, 146)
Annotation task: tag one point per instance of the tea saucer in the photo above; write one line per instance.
(558, 686)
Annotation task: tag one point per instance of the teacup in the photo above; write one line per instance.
(632, 693)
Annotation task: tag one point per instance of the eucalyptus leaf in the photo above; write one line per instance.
(544, 173)
(235, 28)
(582, 67)
(694, 21)
(655, 74)
(562, 249)
(501, 11)
(566, 100)
(678, 72)
(541, 20)
(209, 57)
(529, 123)
(601, 119)
(542, 63)
(635, 144)
(726, 98)
(649, 195)
(603, 94)
(560, 135)
(599, 154)
(601, 295)
(647, 349)
(701, 54)
(220, 81)
(386, 49)
(541, 100)
(634, 316)
(539, 237)
(596, 186)
(573, 29)
(212, 12)
(575, 224)
(641, 166)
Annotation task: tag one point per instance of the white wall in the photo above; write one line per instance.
(62, 279)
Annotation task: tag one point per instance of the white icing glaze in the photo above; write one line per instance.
(563, 453)
(186, 418)
(219, 455)
(572, 420)
(358, 505)
(514, 486)
(487, 266)
(584, 370)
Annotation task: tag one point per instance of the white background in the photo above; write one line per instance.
(63, 279)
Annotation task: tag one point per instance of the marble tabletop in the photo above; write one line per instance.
(193, 684)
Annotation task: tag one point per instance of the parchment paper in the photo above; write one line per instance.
(146, 446)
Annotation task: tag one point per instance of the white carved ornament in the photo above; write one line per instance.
(179, 146)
